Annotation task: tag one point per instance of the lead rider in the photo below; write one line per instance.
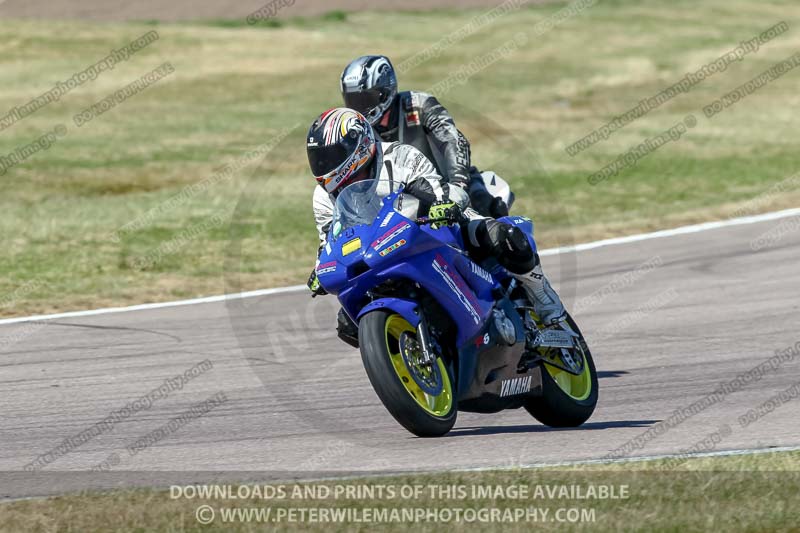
(342, 150)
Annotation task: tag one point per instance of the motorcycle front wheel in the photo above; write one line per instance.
(419, 396)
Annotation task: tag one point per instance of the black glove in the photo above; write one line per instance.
(498, 208)
(314, 285)
(481, 201)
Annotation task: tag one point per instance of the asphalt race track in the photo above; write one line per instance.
(704, 309)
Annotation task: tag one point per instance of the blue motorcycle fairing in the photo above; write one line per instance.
(479, 279)
(486, 339)
(405, 308)
(431, 269)
(364, 256)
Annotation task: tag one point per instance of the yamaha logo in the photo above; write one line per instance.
(512, 387)
(481, 273)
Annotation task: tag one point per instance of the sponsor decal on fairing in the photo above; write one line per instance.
(326, 268)
(389, 249)
(457, 285)
(390, 235)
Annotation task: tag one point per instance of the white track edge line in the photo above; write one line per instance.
(157, 305)
(579, 462)
(682, 230)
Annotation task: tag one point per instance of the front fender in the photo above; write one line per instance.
(405, 308)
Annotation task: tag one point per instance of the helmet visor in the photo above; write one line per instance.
(364, 101)
(325, 159)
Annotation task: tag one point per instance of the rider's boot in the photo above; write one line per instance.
(546, 303)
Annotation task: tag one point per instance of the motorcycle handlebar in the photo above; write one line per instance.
(424, 221)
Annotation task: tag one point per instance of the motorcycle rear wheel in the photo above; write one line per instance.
(430, 413)
(567, 400)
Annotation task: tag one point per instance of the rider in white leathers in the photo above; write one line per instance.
(342, 149)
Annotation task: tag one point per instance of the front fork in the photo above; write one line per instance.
(423, 335)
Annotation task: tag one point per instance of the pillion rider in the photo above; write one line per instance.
(369, 86)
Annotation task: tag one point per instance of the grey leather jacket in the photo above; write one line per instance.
(424, 123)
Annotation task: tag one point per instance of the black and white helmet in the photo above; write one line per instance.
(369, 86)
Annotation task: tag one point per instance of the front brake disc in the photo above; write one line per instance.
(427, 377)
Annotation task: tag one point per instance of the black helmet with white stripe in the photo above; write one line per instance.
(369, 86)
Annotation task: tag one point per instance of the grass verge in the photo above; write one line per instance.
(742, 493)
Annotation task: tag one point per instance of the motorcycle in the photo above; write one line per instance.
(438, 332)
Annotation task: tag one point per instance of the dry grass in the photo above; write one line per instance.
(732, 494)
(235, 87)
